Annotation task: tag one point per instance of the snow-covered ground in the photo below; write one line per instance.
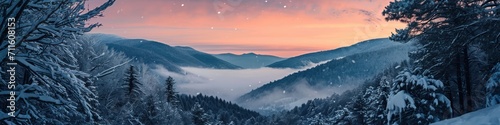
(486, 116)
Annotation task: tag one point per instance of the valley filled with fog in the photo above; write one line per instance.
(228, 84)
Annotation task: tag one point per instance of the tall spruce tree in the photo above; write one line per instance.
(199, 116)
(171, 94)
(132, 86)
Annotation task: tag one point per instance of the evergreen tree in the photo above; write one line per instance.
(447, 31)
(493, 87)
(199, 116)
(374, 100)
(318, 119)
(250, 121)
(131, 86)
(151, 113)
(416, 99)
(171, 94)
(356, 115)
(52, 89)
(341, 117)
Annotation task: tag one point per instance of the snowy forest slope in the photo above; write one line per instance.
(316, 57)
(334, 76)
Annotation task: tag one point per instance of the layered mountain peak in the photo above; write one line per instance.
(172, 58)
(316, 57)
(249, 60)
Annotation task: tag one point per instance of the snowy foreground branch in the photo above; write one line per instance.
(50, 88)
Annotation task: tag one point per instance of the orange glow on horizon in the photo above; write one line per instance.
(250, 26)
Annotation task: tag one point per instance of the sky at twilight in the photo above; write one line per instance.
(278, 27)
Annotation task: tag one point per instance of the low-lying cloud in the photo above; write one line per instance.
(227, 84)
(280, 99)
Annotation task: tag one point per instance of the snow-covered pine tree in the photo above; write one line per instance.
(102, 67)
(51, 91)
(173, 115)
(171, 94)
(357, 106)
(131, 85)
(152, 111)
(447, 30)
(416, 99)
(199, 116)
(493, 87)
(374, 99)
(41, 21)
(250, 121)
(151, 114)
(318, 119)
(151, 81)
(96, 60)
(341, 117)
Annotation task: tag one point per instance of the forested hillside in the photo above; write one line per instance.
(334, 76)
(316, 57)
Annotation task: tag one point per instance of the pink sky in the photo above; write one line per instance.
(278, 27)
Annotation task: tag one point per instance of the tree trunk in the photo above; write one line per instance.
(468, 84)
(449, 93)
(461, 103)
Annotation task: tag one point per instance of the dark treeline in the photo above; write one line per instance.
(216, 106)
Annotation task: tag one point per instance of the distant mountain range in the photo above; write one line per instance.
(153, 52)
(316, 57)
(333, 76)
(249, 60)
(345, 68)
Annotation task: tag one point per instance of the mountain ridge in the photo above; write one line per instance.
(154, 52)
(316, 57)
(249, 60)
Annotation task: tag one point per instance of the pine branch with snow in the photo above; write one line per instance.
(416, 98)
(493, 87)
